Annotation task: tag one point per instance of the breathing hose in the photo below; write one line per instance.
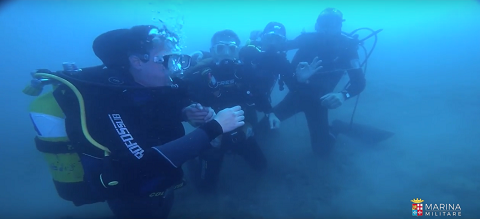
(363, 65)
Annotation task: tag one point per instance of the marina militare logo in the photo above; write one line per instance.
(422, 209)
(417, 207)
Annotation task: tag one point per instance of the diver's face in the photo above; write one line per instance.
(224, 50)
(153, 73)
(153, 69)
(156, 67)
(272, 41)
(330, 26)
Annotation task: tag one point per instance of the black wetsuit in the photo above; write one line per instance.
(219, 87)
(336, 55)
(143, 130)
(269, 66)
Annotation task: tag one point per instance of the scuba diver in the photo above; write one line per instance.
(312, 93)
(114, 132)
(267, 56)
(200, 54)
(223, 81)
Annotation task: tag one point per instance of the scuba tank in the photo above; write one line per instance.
(62, 158)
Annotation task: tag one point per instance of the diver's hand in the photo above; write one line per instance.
(230, 118)
(197, 114)
(274, 121)
(196, 56)
(210, 115)
(304, 71)
(217, 142)
(332, 100)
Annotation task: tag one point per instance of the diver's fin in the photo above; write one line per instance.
(366, 134)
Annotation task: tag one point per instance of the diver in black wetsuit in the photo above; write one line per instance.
(267, 54)
(264, 53)
(200, 54)
(132, 153)
(223, 81)
(312, 93)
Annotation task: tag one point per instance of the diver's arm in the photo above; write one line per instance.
(170, 155)
(291, 45)
(355, 71)
(296, 43)
(300, 41)
(357, 80)
(178, 151)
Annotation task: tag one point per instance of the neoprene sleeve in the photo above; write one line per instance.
(357, 82)
(189, 146)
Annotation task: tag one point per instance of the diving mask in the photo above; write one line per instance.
(225, 48)
(169, 42)
(273, 38)
(174, 62)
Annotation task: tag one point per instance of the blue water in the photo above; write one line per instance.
(422, 84)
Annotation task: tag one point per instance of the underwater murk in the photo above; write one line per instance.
(422, 87)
